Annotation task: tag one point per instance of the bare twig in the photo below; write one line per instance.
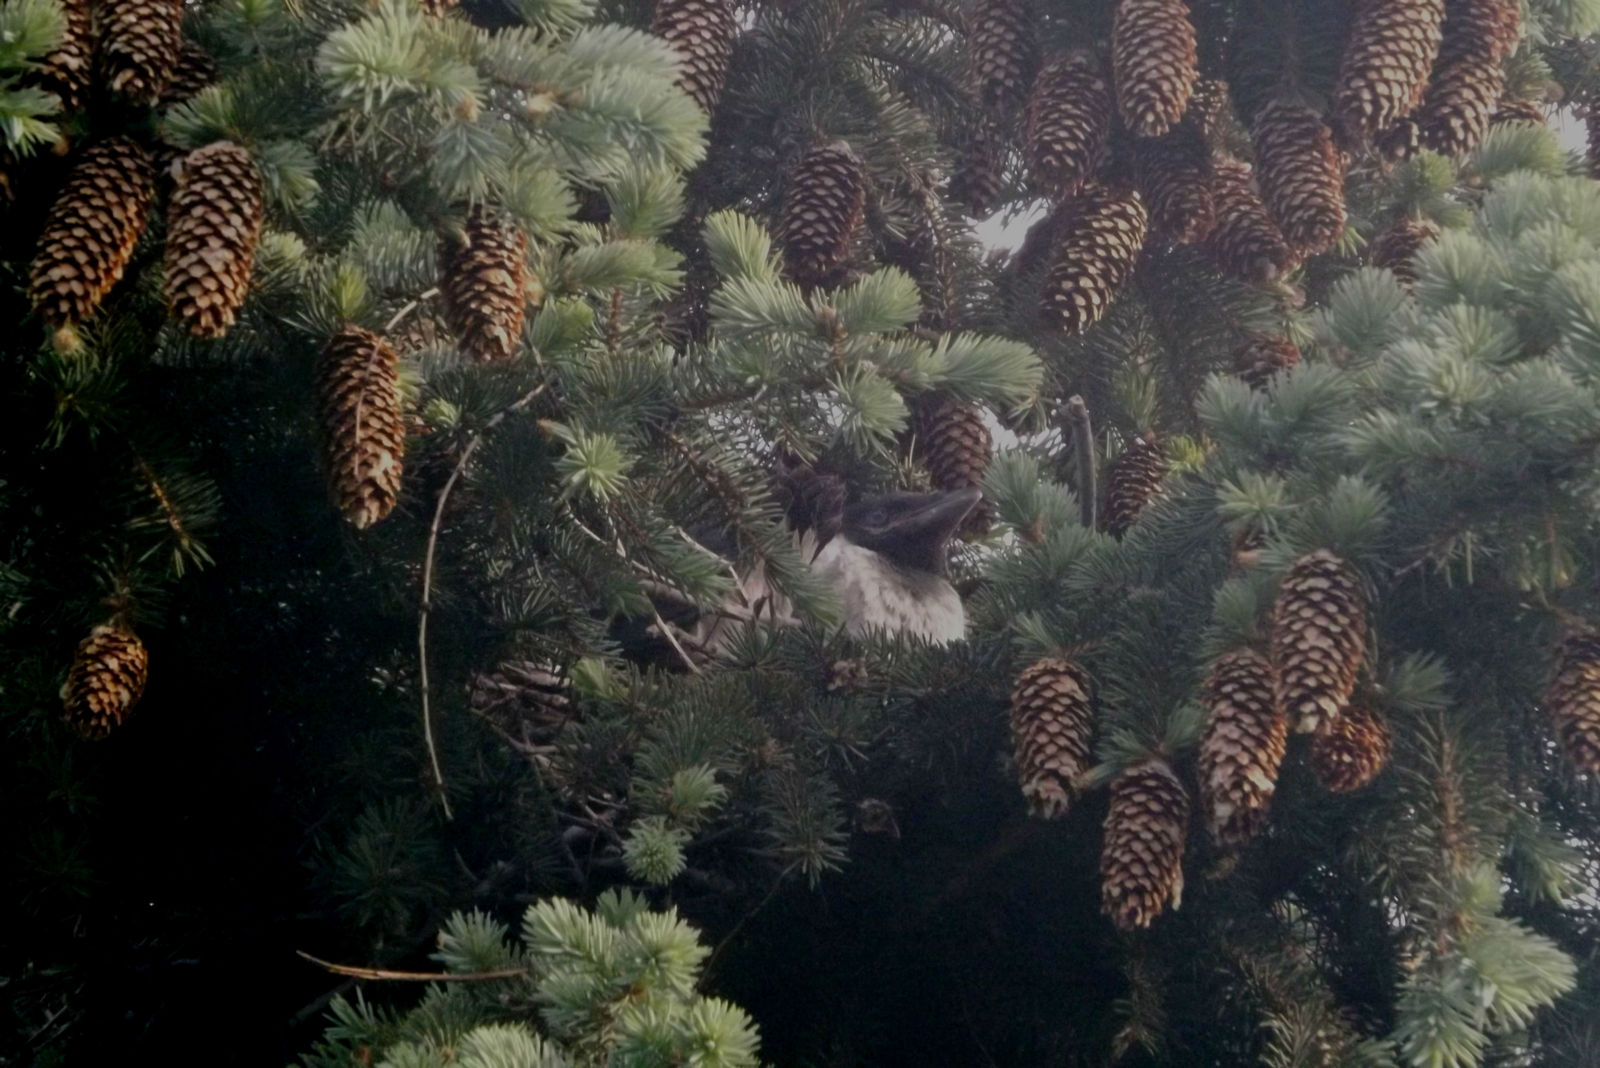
(427, 580)
(400, 315)
(355, 972)
(1082, 431)
(667, 632)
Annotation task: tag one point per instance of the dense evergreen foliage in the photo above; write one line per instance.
(426, 420)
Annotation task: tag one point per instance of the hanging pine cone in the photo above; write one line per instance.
(1097, 244)
(91, 230)
(1141, 859)
(1573, 700)
(363, 425)
(957, 448)
(105, 681)
(1131, 482)
(1052, 721)
(139, 46)
(213, 223)
(1467, 79)
(701, 32)
(1384, 71)
(483, 274)
(1347, 753)
(999, 55)
(1156, 60)
(194, 71)
(1174, 176)
(1262, 357)
(1066, 125)
(1210, 108)
(1244, 242)
(1396, 246)
(1301, 176)
(1512, 111)
(1241, 747)
(1401, 141)
(67, 70)
(823, 207)
(1319, 635)
(979, 181)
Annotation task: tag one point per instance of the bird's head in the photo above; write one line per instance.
(910, 529)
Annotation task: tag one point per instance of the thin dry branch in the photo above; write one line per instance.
(356, 972)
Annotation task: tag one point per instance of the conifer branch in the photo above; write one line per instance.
(427, 581)
(1081, 431)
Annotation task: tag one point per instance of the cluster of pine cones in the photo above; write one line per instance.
(1136, 147)
(1307, 679)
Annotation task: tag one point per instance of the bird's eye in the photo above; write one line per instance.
(877, 517)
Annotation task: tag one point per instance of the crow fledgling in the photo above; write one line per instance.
(887, 564)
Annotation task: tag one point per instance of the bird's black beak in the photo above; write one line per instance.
(941, 516)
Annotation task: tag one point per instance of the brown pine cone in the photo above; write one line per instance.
(483, 276)
(1241, 747)
(823, 208)
(68, 70)
(702, 33)
(139, 42)
(1174, 175)
(1132, 481)
(999, 55)
(106, 680)
(1052, 721)
(195, 71)
(1141, 859)
(1396, 246)
(1098, 238)
(979, 181)
(213, 224)
(1319, 636)
(1245, 243)
(1573, 700)
(1067, 123)
(1384, 71)
(1156, 60)
(1262, 357)
(1301, 176)
(91, 230)
(1347, 753)
(957, 448)
(1468, 77)
(363, 424)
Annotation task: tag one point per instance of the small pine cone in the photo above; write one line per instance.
(1396, 246)
(1156, 60)
(363, 424)
(1573, 700)
(91, 230)
(702, 33)
(1510, 111)
(1241, 747)
(1067, 123)
(1245, 242)
(1385, 66)
(106, 680)
(213, 224)
(1131, 482)
(957, 449)
(1467, 79)
(483, 275)
(999, 54)
(1319, 635)
(1301, 176)
(1401, 141)
(823, 207)
(1052, 721)
(68, 70)
(1263, 356)
(194, 72)
(1141, 859)
(979, 181)
(1347, 753)
(139, 42)
(1174, 175)
(1097, 244)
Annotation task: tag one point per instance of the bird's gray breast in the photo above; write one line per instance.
(875, 594)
